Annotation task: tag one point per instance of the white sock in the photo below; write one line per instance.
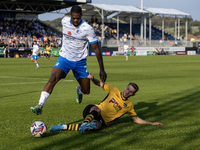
(37, 65)
(126, 57)
(65, 126)
(43, 97)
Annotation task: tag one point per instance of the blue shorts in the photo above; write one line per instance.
(125, 52)
(34, 57)
(79, 68)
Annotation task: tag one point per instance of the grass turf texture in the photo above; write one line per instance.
(169, 93)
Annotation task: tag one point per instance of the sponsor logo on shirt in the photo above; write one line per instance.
(77, 31)
(69, 33)
(125, 105)
(115, 104)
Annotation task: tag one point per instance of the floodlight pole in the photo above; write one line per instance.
(145, 27)
(130, 44)
(142, 24)
(142, 4)
(175, 32)
(186, 29)
(150, 30)
(118, 30)
(178, 28)
(163, 28)
(102, 33)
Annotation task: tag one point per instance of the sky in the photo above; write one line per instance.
(191, 7)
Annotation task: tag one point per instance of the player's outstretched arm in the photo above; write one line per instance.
(102, 73)
(95, 81)
(138, 120)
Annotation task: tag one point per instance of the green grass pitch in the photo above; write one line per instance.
(169, 93)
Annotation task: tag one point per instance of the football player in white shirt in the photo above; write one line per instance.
(35, 51)
(126, 48)
(76, 35)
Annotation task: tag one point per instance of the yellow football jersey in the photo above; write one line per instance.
(113, 106)
(48, 49)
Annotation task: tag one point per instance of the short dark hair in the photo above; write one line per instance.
(76, 9)
(134, 85)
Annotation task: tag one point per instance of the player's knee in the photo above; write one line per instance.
(53, 79)
(85, 91)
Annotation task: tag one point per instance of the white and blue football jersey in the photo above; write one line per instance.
(35, 50)
(75, 39)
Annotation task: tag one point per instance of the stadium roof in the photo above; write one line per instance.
(121, 8)
(164, 11)
(38, 6)
(108, 11)
(124, 12)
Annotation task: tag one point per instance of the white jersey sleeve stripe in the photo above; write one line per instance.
(94, 42)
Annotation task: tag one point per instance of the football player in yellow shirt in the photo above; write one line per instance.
(115, 105)
(48, 51)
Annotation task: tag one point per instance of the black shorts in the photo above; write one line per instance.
(87, 110)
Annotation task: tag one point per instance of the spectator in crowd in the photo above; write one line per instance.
(21, 33)
(28, 55)
(198, 49)
(132, 49)
(157, 51)
(42, 53)
(5, 51)
(16, 55)
(1, 42)
(162, 52)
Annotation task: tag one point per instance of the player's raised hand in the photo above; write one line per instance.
(90, 76)
(103, 75)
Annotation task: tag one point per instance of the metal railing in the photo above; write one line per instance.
(147, 43)
(109, 43)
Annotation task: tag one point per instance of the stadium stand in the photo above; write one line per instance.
(19, 24)
(110, 31)
(17, 33)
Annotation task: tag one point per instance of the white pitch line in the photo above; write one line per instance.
(31, 82)
(13, 77)
(22, 83)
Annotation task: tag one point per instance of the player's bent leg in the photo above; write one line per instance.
(85, 85)
(56, 75)
(84, 88)
(37, 64)
(88, 114)
(95, 108)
